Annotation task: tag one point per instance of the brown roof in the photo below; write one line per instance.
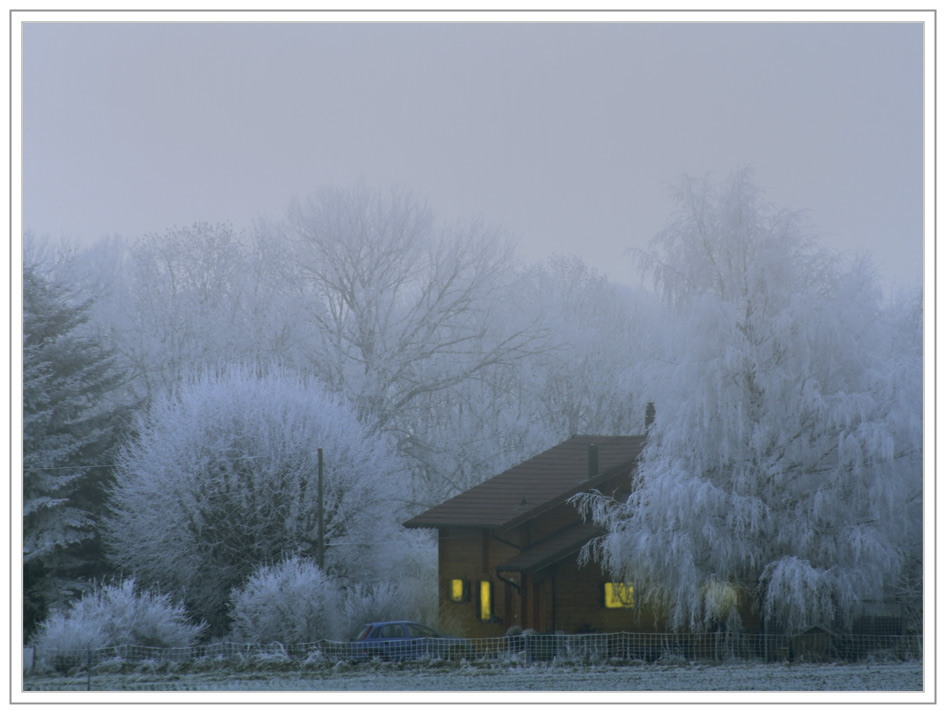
(557, 546)
(535, 485)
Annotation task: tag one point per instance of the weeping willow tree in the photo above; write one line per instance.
(783, 472)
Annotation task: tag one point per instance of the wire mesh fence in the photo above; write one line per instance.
(813, 646)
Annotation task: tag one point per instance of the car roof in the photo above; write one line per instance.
(384, 622)
(394, 622)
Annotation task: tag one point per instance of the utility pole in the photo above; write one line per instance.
(321, 518)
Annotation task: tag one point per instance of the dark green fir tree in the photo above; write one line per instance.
(75, 411)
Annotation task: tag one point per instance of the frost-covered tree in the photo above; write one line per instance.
(223, 476)
(190, 298)
(783, 469)
(902, 349)
(403, 310)
(432, 330)
(578, 382)
(75, 411)
(582, 386)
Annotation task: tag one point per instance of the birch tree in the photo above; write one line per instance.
(783, 470)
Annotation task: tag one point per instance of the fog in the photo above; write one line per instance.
(565, 134)
(408, 244)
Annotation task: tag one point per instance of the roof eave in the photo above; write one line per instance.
(415, 523)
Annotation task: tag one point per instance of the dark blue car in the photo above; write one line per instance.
(402, 639)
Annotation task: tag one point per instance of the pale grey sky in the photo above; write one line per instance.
(565, 134)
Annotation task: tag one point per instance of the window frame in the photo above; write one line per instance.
(464, 590)
(613, 598)
(484, 605)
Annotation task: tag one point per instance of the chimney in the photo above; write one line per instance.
(649, 415)
(592, 460)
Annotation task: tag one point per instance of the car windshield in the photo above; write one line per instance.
(364, 633)
(415, 630)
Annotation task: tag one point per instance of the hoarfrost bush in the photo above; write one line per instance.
(370, 603)
(223, 478)
(292, 601)
(113, 615)
(386, 600)
(413, 596)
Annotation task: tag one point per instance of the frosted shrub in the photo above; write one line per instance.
(371, 603)
(405, 600)
(232, 456)
(118, 614)
(292, 601)
(404, 588)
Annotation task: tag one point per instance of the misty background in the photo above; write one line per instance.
(565, 134)
(418, 246)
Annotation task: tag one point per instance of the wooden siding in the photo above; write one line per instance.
(579, 597)
(471, 554)
(563, 597)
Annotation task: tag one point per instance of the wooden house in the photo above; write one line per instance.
(508, 548)
(508, 551)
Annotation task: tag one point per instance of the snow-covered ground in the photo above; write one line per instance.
(736, 677)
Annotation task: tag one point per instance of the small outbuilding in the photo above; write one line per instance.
(508, 548)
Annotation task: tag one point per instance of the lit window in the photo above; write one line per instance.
(617, 595)
(459, 590)
(486, 600)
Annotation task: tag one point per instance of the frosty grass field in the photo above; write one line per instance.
(881, 676)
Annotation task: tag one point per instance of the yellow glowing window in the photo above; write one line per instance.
(459, 590)
(486, 599)
(618, 595)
